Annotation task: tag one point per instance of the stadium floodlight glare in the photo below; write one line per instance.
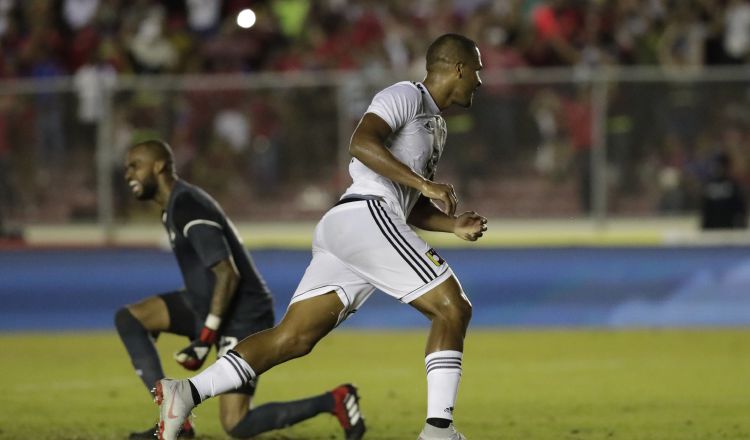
(246, 18)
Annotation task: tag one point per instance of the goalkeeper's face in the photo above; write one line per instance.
(140, 174)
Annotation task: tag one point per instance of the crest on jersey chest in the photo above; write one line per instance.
(436, 126)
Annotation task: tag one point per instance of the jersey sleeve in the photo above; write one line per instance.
(396, 105)
(202, 227)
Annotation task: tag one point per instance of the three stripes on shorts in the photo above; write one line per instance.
(420, 265)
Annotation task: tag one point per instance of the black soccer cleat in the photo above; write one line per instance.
(347, 411)
(187, 432)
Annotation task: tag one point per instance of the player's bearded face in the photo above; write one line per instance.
(140, 174)
(147, 189)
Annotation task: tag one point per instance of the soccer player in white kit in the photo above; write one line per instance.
(366, 242)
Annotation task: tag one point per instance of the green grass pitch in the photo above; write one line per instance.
(523, 385)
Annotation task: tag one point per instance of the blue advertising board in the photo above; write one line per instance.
(69, 289)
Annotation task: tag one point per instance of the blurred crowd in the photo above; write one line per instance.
(40, 38)
(524, 149)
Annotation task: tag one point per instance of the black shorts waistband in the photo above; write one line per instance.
(356, 199)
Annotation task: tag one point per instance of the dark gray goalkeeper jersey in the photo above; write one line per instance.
(201, 235)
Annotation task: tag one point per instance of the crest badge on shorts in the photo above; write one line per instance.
(436, 259)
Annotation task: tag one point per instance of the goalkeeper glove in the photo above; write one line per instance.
(193, 356)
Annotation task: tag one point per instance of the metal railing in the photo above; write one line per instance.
(275, 145)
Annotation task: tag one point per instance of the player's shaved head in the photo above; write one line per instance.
(453, 65)
(158, 150)
(450, 49)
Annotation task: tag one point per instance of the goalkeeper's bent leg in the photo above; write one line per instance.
(140, 347)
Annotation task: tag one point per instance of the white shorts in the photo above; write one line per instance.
(362, 245)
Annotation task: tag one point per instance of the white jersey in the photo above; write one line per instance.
(417, 140)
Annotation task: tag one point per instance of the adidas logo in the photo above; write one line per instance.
(352, 409)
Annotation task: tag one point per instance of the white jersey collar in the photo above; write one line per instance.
(431, 104)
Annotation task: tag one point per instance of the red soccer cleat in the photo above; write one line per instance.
(347, 411)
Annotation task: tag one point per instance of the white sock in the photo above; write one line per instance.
(443, 374)
(229, 373)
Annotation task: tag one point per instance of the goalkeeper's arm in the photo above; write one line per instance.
(227, 278)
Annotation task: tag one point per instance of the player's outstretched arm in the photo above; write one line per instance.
(368, 146)
(227, 276)
(425, 215)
